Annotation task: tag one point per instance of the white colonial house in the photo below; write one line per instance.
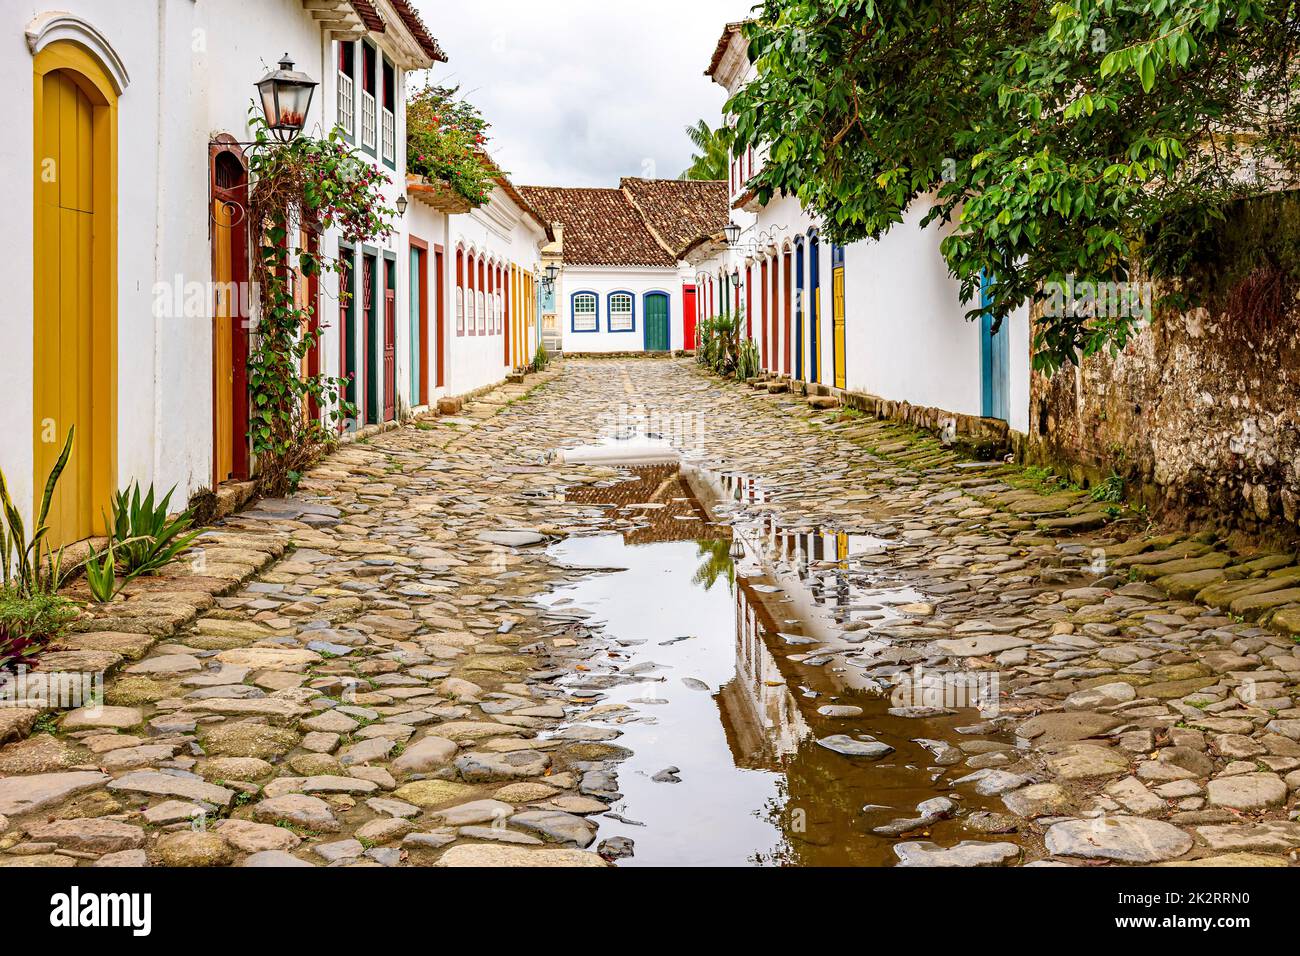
(881, 317)
(129, 118)
(131, 309)
(627, 279)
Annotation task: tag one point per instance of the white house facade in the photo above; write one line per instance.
(879, 317)
(130, 120)
(627, 283)
(494, 260)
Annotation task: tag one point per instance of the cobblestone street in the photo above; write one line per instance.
(362, 674)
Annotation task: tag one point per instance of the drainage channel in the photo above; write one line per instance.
(729, 671)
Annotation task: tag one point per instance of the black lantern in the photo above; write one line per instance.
(732, 232)
(735, 278)
(402, 203)
(286, 96)
(551, 272)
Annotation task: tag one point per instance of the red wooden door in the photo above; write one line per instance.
(688, 316)
(762, 296)
(390, 350)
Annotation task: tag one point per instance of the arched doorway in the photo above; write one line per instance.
(75, 285)
(229, 189)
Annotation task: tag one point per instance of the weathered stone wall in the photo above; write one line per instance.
(1200, 414)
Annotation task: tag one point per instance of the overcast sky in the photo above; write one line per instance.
(581, 92)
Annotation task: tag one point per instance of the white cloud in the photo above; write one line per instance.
(581, 92)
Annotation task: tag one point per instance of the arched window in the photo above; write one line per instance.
(749, 299)
(480, 295)
(621, 312)
(460, 292)
(585, 313)
(469, 296)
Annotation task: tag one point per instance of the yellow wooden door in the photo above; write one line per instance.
(223, 340)
(837, 322)
(65, 319)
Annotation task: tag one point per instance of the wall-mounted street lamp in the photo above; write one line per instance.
(764, 240)
(286, 97)
(402, 203)
(735, 277)
(549, 277)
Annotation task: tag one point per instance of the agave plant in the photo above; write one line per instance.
(31, 611)
(144, 538)
(25, 567)
(747, 364)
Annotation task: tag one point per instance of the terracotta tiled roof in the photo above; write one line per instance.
(374, 23)
(370, 17)
(680, 212)
(601, 227)
(723, 42)
(406, 10)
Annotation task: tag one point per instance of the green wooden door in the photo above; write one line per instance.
(656, 322)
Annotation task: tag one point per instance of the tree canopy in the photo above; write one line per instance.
(1086, 140)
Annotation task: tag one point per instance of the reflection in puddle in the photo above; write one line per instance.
(721, 643)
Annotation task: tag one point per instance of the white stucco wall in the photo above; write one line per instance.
(906, 335)
(430, 226)
(604, 280)
(192, 68)
(506, 235)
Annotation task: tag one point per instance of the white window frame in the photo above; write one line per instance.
(480, 311)
(368, 119)
(584, 315)
(621, 320)
(347, 117)
(460, 311)
(390, 136)
(469, 312)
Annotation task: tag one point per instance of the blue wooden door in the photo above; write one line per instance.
(994, 358)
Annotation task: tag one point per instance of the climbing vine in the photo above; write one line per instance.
(298, 190)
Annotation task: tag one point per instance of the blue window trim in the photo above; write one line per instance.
(609, 311)
(668, 300)
(572, 299)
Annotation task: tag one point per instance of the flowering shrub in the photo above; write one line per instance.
(445, 137)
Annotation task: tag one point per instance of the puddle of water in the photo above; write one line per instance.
(631, 438)
(734, 641)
